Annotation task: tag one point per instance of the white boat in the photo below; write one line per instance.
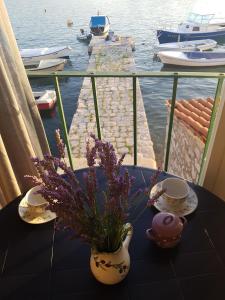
(46, 65)
(200, 45)
(45, 99)
(84, 36)
(192, 59)
(99, 25)
(196, 27)
(37, 54)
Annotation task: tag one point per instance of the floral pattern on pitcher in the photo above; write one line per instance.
(121, 267)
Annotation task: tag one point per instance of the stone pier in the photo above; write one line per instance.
(115, 106)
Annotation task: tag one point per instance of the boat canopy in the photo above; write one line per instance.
(199, 19)
(98, 21)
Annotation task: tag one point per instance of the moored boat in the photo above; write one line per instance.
(200, 45)
(84, 36)
(46, 65)
(192, 59)
(45, 99)
(37, 54)
(99, 25)
(197, 27)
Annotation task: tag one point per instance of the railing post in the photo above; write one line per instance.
(96, 106)
(135, 117)
(212, 120)
(170, 128)
(62, 119)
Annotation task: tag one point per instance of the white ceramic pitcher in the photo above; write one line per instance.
(111, 268)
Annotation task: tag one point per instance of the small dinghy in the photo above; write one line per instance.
(200, 45)
(45, 99)
(192, 59)
(46, 65)
(84, 36)
(37, 54)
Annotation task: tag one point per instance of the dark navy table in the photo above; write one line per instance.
(37, 262)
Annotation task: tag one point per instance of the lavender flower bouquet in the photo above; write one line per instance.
(98, 223)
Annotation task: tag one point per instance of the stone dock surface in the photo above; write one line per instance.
(115, 103)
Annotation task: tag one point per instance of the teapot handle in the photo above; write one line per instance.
(184, 220)
(126, 242)
(150, 234)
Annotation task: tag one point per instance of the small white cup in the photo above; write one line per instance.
(175, 189)
(35, 201)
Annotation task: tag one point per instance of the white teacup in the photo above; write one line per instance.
(175, 189)
(35, 201)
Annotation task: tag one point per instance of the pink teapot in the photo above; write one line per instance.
(166, 229)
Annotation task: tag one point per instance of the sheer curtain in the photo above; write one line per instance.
(22, 135)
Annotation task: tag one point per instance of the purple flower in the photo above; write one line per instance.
(98, 223)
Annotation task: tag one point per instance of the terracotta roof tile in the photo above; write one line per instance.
(195, 113)
(206, 103)
(210, 100)
(200, 106)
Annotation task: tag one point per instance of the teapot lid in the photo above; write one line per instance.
(167, 224)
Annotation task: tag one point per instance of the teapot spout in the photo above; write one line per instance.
(126, 242)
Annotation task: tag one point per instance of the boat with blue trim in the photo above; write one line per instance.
(99, 25)
(193, 59)
(197, 27)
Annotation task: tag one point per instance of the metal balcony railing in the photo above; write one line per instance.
(175, 75)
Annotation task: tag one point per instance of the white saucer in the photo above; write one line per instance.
(179, 208)
(32, 217)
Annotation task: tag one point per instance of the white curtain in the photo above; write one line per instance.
(22, 135)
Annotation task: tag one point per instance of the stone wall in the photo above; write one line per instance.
(185, 152)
